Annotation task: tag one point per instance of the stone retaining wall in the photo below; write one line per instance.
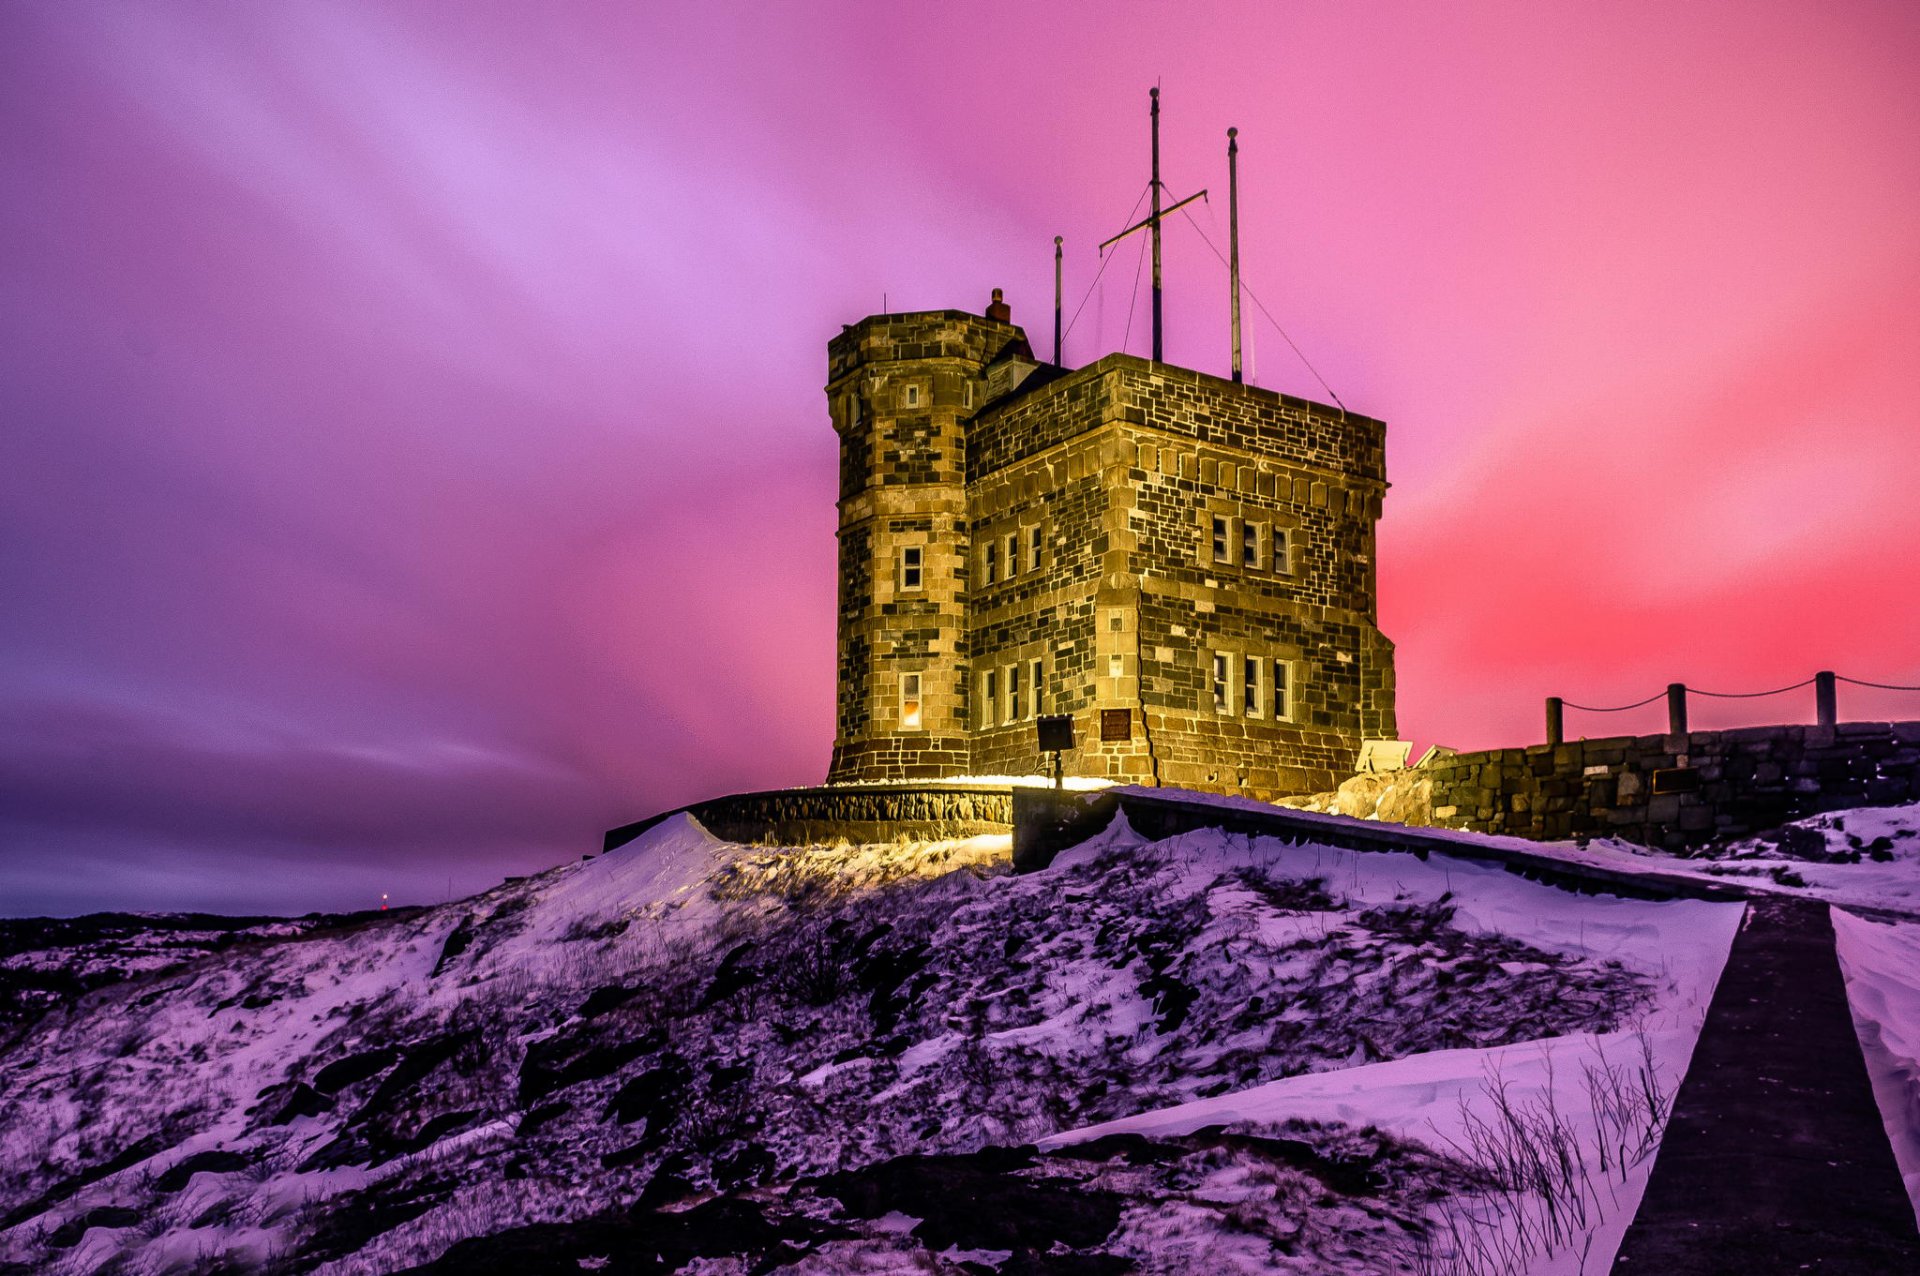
(1657, 790)
(858, 813)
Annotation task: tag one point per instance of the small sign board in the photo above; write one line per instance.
(1116, 724)
(1676, 779)
(1056, 732)
(1383, 755)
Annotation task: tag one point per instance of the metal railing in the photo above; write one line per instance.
(1825, 700)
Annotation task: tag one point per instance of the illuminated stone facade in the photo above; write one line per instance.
(1184, 564)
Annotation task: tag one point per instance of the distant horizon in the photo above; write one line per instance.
(416, 459)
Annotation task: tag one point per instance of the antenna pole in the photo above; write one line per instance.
(1233, 237)
(1154, 93)
(1056, 301)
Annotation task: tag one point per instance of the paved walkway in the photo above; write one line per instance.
(1775, 1159)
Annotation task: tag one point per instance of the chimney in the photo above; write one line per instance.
(998, 309)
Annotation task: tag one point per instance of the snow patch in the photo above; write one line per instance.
(1881, 964)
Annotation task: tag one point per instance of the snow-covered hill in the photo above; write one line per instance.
(691, 1055)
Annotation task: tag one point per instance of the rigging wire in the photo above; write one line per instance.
(1262, 307)
(1133, 297)
(1104, 259)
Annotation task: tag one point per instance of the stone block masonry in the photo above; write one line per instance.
(1662, 791)
(1183, 564)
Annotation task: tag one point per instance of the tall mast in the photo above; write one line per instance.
(1233, 237)
(1154, 93)
(1056, 301)
(1151, 222)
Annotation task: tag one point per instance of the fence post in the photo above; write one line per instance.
(1826, 703)
(1676, 708)
(1554, 733)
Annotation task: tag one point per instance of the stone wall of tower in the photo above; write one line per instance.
(1046, 610)
(1131, 463)
(900, 388)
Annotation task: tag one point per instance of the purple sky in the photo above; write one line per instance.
(412, 453)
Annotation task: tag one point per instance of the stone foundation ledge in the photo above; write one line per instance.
(863, 812)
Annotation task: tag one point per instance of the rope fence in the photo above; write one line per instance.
(1825, 696)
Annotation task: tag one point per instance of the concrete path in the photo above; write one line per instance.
(1776, 1159)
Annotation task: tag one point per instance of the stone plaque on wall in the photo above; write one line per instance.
(1116, 724)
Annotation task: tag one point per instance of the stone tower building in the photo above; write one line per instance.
(1183, 563)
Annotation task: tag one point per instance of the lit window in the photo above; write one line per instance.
(1221, 704)
(1219, 540)
(1013, 555)
(990, 697)
(1250, 544)
(912, 396)
(1038, 683)
(911, 560)
(1282, 691)
(1250, 698)
(1013, 694)
(993, 563)
(1035, 540)
(1282, 550)
(910, 702)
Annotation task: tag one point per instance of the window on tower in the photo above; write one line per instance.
(1250, 544)
(992, 572)
(1219, 540)
(912, 560)
(910, 702)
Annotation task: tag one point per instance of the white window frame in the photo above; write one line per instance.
(1253, 690)
(990, 567)
(914, 718)
(1039, 680)
(1036, 546)
(1222, 682)
(990, 697)
(1282, 690)
(1012, 542)
(1221, 536)
(910, 395)
(913, 568)
(1012, 681)
(1250, 544)
(1280, 552)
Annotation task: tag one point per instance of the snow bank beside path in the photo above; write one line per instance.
(1881, 963)
(1431, 1098)
(1682, 942)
